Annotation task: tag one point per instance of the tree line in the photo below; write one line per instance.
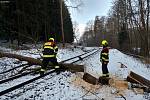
(34, 20)
(127, 27)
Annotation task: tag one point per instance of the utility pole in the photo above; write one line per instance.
(62, 26)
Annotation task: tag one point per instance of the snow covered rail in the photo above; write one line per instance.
(14, 77)
(80, 58)
(13, 68)
(85, 56)
(24, 83)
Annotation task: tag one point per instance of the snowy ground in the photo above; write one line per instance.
(70, 86)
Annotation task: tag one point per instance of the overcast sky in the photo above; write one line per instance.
(89, 10)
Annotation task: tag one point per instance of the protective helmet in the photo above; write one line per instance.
(51, 39)
(104, 43)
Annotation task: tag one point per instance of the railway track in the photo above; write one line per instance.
(24, 65)
(13, 68)
(72, 60)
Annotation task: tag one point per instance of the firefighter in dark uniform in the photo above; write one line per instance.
(104, 58)
(49, 55)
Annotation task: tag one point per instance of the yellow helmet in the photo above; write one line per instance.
(104, 43)
(51, 39)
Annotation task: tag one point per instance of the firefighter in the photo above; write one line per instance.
(104, 58)
(49, 55)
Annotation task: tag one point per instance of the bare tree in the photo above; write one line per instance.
(134, 16)
(76, 31)
(74, 3)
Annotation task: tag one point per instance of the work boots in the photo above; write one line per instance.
(42, 71)
(57, 68)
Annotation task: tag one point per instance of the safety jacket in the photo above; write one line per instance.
(50, 50)
(104, 57)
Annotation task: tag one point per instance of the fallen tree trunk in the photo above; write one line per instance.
(33, 61)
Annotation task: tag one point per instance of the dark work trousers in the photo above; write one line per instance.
(104, 68)
(52, 60)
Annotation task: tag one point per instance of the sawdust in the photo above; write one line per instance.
(79, 82)
(119, 84)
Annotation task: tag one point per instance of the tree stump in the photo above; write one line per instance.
(104, 80)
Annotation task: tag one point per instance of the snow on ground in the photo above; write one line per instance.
(70, 86)
(15, 82)
(131, 63)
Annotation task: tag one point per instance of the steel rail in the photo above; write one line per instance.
(77, 56)
(13, 68)
(24, 83)
(85, 56)
(14, 77)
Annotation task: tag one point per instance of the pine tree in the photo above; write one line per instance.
(34, 20)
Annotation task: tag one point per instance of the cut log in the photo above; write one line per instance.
(135, 78)
(90, 79)
(93, 80)
(33, 61)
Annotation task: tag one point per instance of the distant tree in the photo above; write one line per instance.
(34, 20)
(122, 37)
(133, 14)
(68, 27)
(76, 31)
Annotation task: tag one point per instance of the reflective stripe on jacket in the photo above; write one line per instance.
(49, 47)
(50, 50)
(48, 56)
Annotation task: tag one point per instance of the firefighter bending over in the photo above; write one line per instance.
(49, 55)
(104, 58)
